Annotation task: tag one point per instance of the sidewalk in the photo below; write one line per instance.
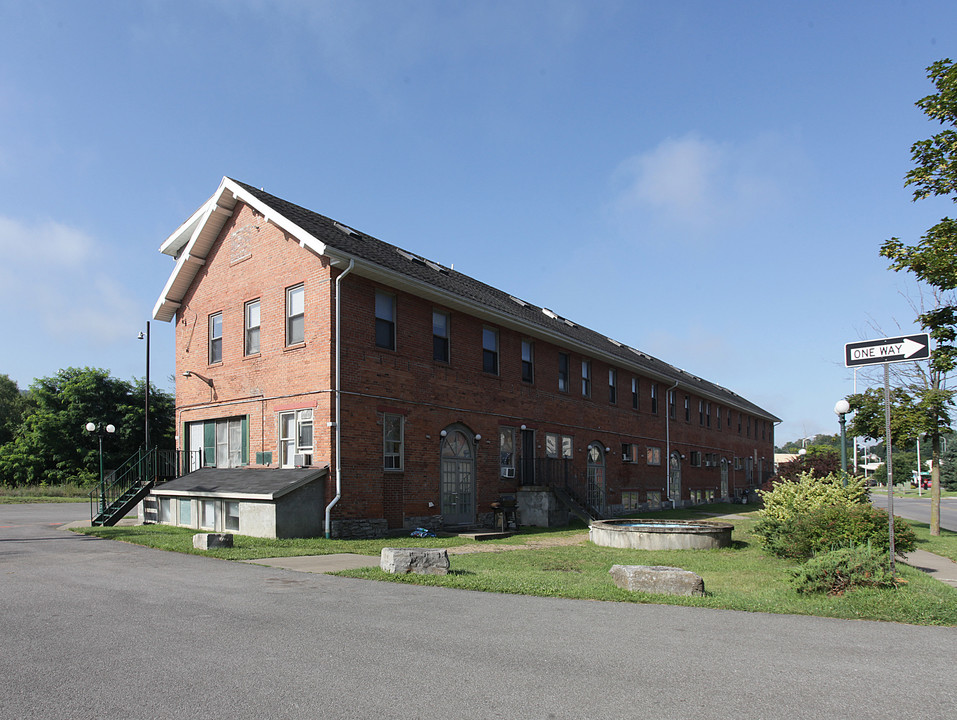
(941, 568)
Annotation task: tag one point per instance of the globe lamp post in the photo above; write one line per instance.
(101, 430)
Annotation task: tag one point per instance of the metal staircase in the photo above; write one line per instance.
(126, 486)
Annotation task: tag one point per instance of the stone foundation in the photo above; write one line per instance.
(363, 528)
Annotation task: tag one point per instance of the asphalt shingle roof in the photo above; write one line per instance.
(261, 482)
(367, 248)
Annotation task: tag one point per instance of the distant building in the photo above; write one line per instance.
(450, 393)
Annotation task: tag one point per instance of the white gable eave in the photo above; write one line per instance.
(191, 242)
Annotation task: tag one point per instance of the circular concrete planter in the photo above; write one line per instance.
(638, 534)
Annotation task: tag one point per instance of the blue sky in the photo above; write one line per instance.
(708, 182)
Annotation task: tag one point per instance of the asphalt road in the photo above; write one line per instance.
(918, 508)
(98, 629)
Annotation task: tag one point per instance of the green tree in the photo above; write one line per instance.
(818, 461)
(11, 408)
(52, 445)
(933, 259)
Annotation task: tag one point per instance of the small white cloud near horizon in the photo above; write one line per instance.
(704, 185)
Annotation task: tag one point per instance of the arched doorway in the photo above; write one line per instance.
(675, 477)
(724, 477)
(596, 476)
(457, 484)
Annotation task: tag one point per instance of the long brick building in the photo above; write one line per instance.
(449, 395)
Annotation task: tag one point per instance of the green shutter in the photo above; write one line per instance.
(245, 458)
(209, 444)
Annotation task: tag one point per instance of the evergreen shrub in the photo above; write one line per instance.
(837, 571)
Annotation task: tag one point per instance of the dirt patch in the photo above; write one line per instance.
(580, 539)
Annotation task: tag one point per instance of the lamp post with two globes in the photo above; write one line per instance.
(101, 430)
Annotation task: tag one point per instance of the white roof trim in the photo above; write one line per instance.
(212, 215)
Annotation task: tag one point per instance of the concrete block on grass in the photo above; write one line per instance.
(423, 561)
(657, 579)
(208, 541)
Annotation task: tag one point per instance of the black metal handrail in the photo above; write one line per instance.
(152, 466)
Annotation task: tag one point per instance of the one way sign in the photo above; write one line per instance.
(887, 350)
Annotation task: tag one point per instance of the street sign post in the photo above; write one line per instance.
(883, 351)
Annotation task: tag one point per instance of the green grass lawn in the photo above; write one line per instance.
(44, 494)
(741, 577)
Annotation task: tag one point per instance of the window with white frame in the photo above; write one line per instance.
(612, 386)
(231, 521)
(557, 445)
(215, 338)
(506, 444)
(208, 514)
(296, 438)
(393, 441)
(654, 398)
(165, 510)
(384, 320)
(295, 315)
(252, 321)
(634, 393)
(221, 442)
(185, 515)
(586, 378)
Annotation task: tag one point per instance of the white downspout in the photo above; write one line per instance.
(338, 457)
(668, 436)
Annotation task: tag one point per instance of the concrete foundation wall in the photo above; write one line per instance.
(539, 507)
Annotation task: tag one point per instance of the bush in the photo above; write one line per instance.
(837, 571)
(830, 528)
(788, 498)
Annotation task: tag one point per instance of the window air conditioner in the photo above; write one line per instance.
(508, 472)
(302, 460)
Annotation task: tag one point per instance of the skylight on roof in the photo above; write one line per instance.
(550, 314)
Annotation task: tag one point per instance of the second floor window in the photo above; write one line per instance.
(251, 340)
(612, 386)
(634, 393)
(528, 361)
(586, 378)
(490, 351)
(563, 371)
(215, 338)
(440, 336)
(384, 320)
(654, 398)
(295, 315)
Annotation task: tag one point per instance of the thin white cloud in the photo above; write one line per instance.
(704, 185)
(59, 284)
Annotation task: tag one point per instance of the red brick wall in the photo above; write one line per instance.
(254, 259)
